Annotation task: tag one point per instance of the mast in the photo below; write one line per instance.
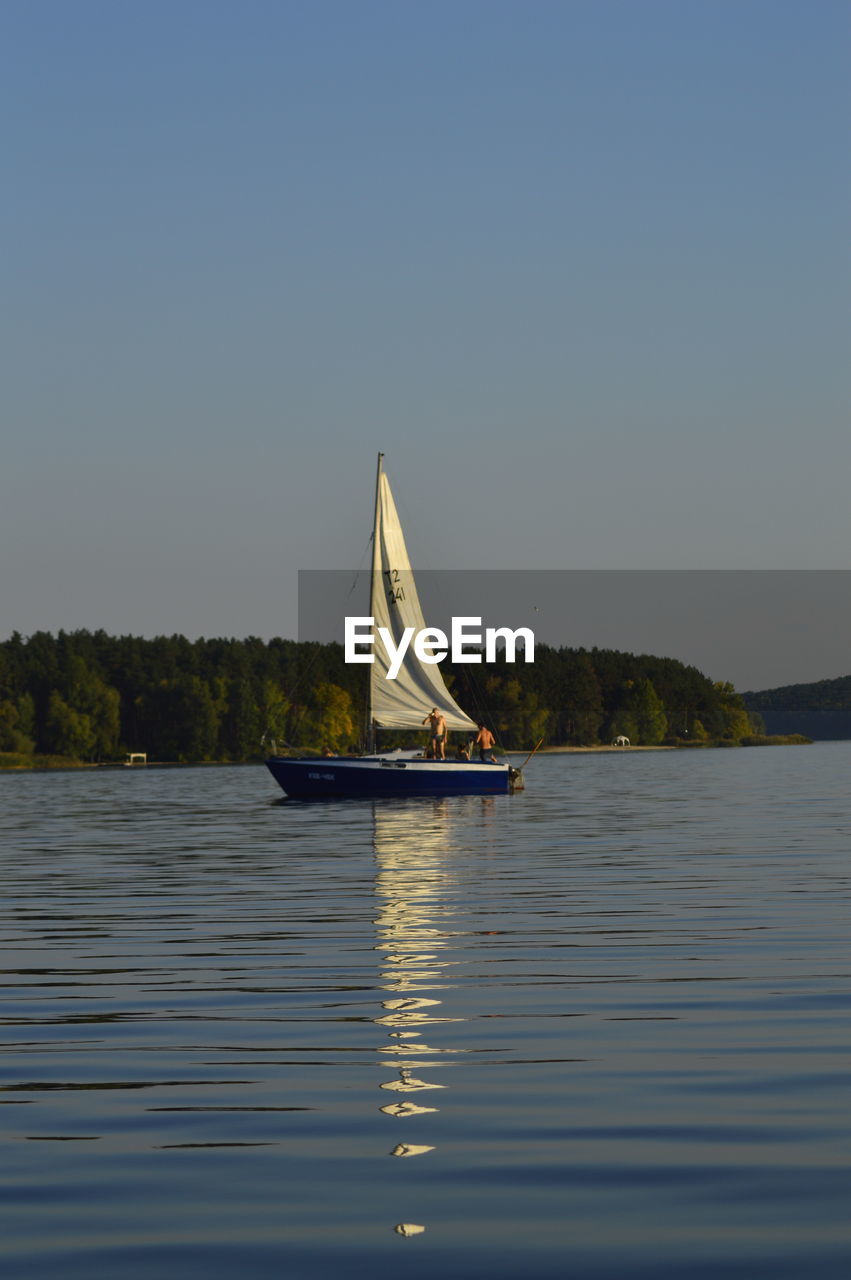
(374, 586)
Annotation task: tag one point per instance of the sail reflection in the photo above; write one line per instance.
(406, 1082)
(402, 1109)
(414, 886)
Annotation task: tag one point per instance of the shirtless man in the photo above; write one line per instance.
(437, 722)
(485, 742)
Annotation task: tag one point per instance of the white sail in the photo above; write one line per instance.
(402, 703)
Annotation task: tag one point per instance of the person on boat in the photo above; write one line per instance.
(437, 723)
(484, 742)
(463, 752)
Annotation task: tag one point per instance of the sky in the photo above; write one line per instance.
(579, 269)
(757, 629)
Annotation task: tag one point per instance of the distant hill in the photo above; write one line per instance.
(821, 710)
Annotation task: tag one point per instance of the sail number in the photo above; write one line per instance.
(395, 593)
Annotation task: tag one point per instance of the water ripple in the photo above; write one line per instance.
(604, 1020)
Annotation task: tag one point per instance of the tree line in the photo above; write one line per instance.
(821, 709)
(91, 696)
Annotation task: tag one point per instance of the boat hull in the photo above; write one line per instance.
(307, 779)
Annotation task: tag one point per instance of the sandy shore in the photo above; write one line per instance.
(597, 750)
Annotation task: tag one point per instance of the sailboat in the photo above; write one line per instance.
(401, 703)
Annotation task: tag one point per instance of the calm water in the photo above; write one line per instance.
(595, 1030)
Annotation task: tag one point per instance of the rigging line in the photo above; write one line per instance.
(438, 594)
(477, 695)
(359, 569)
(484, 714)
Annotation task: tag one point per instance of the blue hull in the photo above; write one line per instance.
(308, 779)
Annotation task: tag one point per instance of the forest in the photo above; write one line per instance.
(88, 696)
(821, 709)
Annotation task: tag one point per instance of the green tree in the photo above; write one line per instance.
(275, 712)
(242, 728)
(639, 714)
(69, 732)
(737, 724)
(89, 696)
(521, 721)
(649, 714)
(582, 703)
(178, 720)
(328, 720)
(16, 721)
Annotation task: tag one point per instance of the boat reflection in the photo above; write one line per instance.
(414, 888)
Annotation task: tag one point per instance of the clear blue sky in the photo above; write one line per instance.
(581, 269)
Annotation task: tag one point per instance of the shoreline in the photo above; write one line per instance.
(94, 766)
(595, 750)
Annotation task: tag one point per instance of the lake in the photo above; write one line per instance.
(597, 1029)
